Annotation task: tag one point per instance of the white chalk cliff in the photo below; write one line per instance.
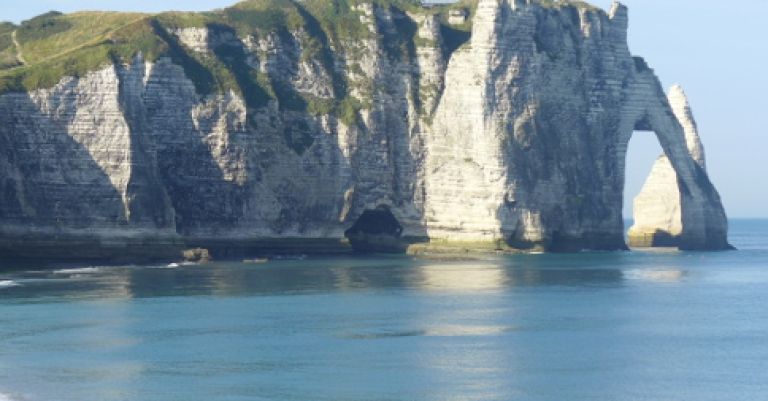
(512, 136)
(657, 208)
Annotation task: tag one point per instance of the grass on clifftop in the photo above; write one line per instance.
(56, 45)
(7, 49)
(52, 34)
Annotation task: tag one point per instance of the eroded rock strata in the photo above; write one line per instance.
(509, 135)
(657, 208)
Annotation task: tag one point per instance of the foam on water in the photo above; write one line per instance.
(6, 397)
(174, 265)
(434, 331)
(656, 275)
(78, 270)
(7, 284)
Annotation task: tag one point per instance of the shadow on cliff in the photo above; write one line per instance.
(233, 53)
(54, 181)
(191, 177)
(54, 193)
(389, 154)
(303, 134)
(553, 142)
(219, 178)
(182, 164)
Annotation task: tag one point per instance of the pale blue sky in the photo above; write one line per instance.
(716, 49)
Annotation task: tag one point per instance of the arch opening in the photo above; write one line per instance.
(652, 204)
(376, 231)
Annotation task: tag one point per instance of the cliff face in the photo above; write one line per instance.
(657, 209)
(510, 135)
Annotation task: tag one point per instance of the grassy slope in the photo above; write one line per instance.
(59, 35)
(57, 45)
(7, 49)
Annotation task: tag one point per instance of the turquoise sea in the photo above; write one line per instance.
(648, 325)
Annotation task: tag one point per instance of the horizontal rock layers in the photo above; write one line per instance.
(511, 137)
(658, 219)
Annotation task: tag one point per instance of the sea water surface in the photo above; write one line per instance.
(650, 325)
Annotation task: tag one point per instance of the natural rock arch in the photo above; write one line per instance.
(543, 166)
(678, 206)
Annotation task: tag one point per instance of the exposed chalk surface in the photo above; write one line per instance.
(516, 138)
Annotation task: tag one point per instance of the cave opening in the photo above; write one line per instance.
(376, 230)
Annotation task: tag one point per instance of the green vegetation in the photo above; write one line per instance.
(7, 48)
(7, 51)
(43, 26)
(263, 16)
(53, 34)
(178, 20)
(7, 27)
(455, 36)
(46, 75)
(206, 82)
(338, 19)
(349, 110)
(470, 6)
(320, 106)
(48, 64)
(56, 45)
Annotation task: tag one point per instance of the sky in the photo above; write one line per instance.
(717, 50)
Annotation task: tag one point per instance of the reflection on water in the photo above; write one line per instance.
(589, 326)
(461, 277)
(435, 331)
(661, 276)
(321, 275)
(8, 283)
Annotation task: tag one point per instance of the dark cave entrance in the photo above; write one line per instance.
(376, 230)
